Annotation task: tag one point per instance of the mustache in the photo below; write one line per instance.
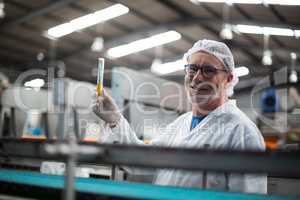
(203, 86)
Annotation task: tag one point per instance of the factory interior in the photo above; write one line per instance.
(87, 87)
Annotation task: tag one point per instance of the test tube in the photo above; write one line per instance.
(100, 76)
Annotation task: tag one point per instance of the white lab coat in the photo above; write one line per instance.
(227, 127)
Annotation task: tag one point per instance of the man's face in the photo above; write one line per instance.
(202, 89)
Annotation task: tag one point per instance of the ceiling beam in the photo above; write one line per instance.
(174, 7)
(250, 18)
(187, 21)
(45, 9)
(282, 20)
(260, 22)
(210, 10)
(117, 25)
(249, 38)
(184, 14)
(242, 12)
(61, 55)
(88, 32)
(121, 27)
(49, 16)
(144, 31)
(277, 14)
(181, 22)
(148, 19)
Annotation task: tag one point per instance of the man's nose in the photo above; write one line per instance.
(198, 76)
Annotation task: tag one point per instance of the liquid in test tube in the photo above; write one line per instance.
(100, 76)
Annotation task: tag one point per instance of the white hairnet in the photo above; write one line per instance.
(221, 51)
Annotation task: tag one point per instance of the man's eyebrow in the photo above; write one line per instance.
(203, 64)
(208, 64)
(212, 65)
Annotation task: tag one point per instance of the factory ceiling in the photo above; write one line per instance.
(24, 45)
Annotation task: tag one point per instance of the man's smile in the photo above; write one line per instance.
(201, 89)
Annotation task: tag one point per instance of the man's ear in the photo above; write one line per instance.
(229, 78)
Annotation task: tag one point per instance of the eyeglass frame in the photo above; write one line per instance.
(201, 68)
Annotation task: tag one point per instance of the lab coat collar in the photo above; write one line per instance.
(227, 107)
(224, 108)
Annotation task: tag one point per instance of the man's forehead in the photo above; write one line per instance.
(204, 57)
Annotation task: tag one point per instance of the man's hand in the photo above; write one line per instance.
(105, 108)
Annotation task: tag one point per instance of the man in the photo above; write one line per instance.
(214, 122)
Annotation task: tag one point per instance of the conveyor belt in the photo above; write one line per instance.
(125, 189)
(283, 164)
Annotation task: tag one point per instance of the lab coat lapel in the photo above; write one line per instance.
(198, 135)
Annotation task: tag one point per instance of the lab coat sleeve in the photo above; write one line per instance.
(122, 133)
(249, 139)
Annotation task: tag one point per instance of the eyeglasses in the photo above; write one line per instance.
(206, 70)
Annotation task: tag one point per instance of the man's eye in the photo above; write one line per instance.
(193, 69)
(209, 70)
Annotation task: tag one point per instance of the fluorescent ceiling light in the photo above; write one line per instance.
(274, 2)
(241, 71)
(283, 2)
(142, 44)
(278, 31)
(297, 33)
(230, 1)
(35, 83)
(87, 20)
(167, 68)
(264, 30)
(249, 29)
